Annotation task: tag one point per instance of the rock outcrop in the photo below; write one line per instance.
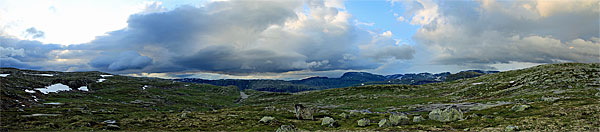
(330, 122)
(303, 113)
(266, 119)
(451, 113)
(363, 122)
(399, 119)
(418, 118)
(287, 128)
(519, 108)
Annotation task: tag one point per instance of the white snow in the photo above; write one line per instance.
(54, 88)
(145, 86)
(100, 80)
(47, 75)
(83, 88)
(53, 103)
(4, 75)
(29, 91)
(106, 75)
(511, 82)
(477, 83)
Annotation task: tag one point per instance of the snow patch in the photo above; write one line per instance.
(4, 75)
(144, 87)
(54, 88)
(106, 75)
(100, 80)
(83, 88)
(477, 83)
(29, 91)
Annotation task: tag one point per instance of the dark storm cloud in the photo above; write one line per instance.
(120, 61)
(242, 37)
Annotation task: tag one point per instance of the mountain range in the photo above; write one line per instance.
(346, 80)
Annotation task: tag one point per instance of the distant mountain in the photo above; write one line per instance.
(346, 80)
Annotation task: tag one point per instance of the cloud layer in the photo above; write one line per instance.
(479, 33)
(237, 37)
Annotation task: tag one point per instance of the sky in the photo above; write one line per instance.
(263, 39)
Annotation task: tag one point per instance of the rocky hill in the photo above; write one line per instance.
(554, 97)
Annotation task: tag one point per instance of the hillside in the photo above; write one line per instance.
(554, 97)
(346, 80)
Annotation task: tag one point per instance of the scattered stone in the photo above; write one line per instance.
(511, 128)
(598, 94)
(550, 99)
(418, 118)
(112, 127)
(466, 129)
(399, 119)
(519, 108)
(344, 115)
(330, 122)
(363, 122)
(451, 113)
(303, 113)
(110, 121)
(287, 128)
(384, 123)
(266, 119)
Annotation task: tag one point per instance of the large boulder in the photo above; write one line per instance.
(363, 122)
(451, 113)
(287, 128)
(399, 119)
(519, 108)
(266, 119)
(303, 113)
(330, 122)
(384, 123)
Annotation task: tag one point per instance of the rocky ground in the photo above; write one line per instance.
(555, 97)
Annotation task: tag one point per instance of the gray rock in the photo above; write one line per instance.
(110, 121)
(287, 128)
(549, 99)
(399, 119)
(363, 122)
(344, 115)
(473, 116)
(519, 108)
(598, 94)
(266, 119)
(418, 118)
(511, 128)
(451, 113)
(112, 127)
(384, 123)
(330, 122)
(303, 113)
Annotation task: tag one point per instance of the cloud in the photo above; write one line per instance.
(121, 61)
(241, 37)
(34, 33)
(25, 53)
(479, 34)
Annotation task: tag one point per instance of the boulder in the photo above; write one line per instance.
(344, 115)
(451, 113)
(511, 128)
(418, 118)
(598, 94)
(330, 122)
(112, 127)
(519, 108)
(384, 123)
(399, 119)
(266, 119)
(303, 113)
(287, 128)
(363, 122)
